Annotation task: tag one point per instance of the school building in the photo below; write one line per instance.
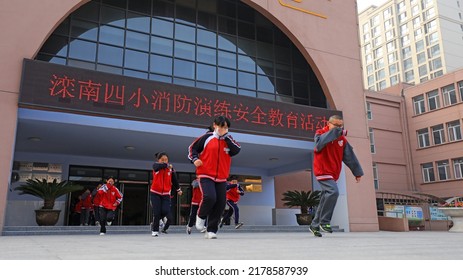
(91, 89)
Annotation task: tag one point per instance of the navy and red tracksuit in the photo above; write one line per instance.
(215, 152)
(163, 179)
(196, 198)
(234, 193)
(331, 150)
(110, 198)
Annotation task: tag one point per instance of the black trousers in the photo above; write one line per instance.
(106, 215)
(213, 203)
(161, 208)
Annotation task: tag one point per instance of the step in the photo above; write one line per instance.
(90, 230)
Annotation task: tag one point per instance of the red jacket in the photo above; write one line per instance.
(215, 152)
(163, 179)
(331, 150)
(109, 195)
(87, 201)
(197, 196)
(234, 192)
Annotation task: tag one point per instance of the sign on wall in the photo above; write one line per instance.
(62, 88)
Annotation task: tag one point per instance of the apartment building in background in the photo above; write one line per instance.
(416, 137)
(410, 41)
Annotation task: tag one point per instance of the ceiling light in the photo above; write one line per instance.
(34, 139)
(129, 148)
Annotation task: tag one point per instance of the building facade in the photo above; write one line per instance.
(75, 103)
(410, 41)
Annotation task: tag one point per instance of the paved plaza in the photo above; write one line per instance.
(237, 245)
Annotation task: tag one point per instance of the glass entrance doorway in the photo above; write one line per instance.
(135, 205)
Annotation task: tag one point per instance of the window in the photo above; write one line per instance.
(372, 140)
(405, 40)
(419, 46)
(375, 176)
(458, 168)
(379, 63)
(389, 35)
(432, 38)
(393, 69)
(430, 26)
(390, 46)
(403, 17)
(443, 169)
(421, 57)
(428, 172)
(454, 130)
(403, 29)
(394, 80)
(433, 100)
(423, 138)
(382, 85)
(438, 135)
(369, 69)
(434, 51)
(416, 22)
(409, 76)
(387, 12)
(369, 113)
(392, 57)
(378, 52)
(429, 14)
(406, 52)
(435, 64)
(388, 24)
(418, 104)
(449, 95)
(460, 88)
(423, 70)
(380, 74)
(408, 63)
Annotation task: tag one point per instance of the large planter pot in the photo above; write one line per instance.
(304, 219)
(47, 217)
(456, 215)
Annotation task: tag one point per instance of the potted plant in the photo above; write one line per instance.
(304, 200)
(49, 192)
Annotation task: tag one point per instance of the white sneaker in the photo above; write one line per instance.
(204, 230)
(188, 229)
(210, 235)
(154, 234)
(109, 223)
(97, 223)
(101, 233)
(200, 223)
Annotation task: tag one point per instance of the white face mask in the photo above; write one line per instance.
(216, 131)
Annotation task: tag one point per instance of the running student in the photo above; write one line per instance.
(211, 154)
(195, 201)
(110, 199)
(331, 150)
(234, 192)
(164, 177)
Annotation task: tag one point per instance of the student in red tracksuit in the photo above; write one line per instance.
(331, 150)
(164, 177)
(87, 207)
(211, 154)
(234, 192)
(110, 199)
(195, 201)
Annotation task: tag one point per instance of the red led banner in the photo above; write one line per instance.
(63, 88)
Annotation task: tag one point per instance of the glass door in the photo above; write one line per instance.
(135, 204)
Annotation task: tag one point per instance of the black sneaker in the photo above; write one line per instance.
(326, 228)
(315, 231)
(164, 231)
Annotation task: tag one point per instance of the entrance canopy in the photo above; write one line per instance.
(50, 132)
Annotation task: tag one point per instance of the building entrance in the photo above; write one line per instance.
(135, 205)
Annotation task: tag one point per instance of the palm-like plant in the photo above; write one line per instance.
(48, 191)
(302, 199)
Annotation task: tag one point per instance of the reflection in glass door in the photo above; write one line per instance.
(135, 204)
